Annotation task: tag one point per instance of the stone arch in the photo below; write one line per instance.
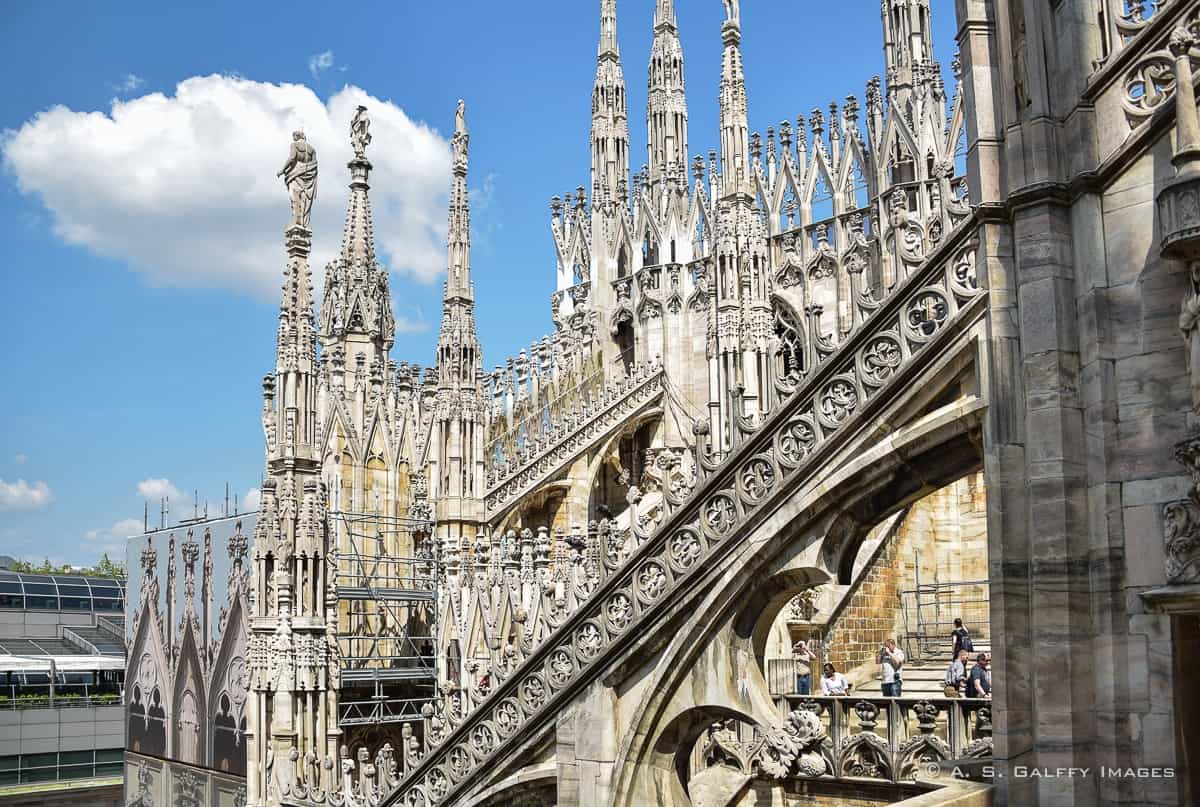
(542, 507)
(532, 786)
(674, 746)
(633, 440)
(862, 486)
(693, 646)
(767, 599)
(791, 359)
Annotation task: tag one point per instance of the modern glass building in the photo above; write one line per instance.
(62, 672)
(60, 592)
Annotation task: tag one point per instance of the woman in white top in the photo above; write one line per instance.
(833, 682)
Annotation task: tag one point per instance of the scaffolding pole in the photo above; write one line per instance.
(387, 574)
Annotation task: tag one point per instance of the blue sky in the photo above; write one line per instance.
(138, 281)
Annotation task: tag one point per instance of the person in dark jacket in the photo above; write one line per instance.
(979, 682)
(962, 639)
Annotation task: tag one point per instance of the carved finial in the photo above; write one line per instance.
(851, 109)
(874, 94)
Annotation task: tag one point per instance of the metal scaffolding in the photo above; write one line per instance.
(387, 617)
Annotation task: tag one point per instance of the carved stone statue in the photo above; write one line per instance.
(733, 11)
(360, 132)
(460, 118)
(300, 176)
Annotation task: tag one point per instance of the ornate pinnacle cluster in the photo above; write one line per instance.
(356, 300)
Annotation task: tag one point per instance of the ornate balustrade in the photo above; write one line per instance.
(575, 431)
(890, 739)
(1135, 80)
(1125, 20)
(528, 393)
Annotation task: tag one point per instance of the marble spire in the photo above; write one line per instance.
(456, 459)
(459, 355)
(666, 101)
(735, 153)
(458, 278)
(610, 118)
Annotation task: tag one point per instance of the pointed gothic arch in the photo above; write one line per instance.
(189, 725)
(148, 708)
(819, 192)
(791, 355)
(228, 692)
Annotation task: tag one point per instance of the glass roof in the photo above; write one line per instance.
(61, 592)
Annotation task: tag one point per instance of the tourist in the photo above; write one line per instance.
(979, 682)
(833, 682)
(962, 639)
(804, 659)
(891, 659)
(956, 675)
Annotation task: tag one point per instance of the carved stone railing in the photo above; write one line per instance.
(1136, 81)
(931, 306)
(895, 740)
(608, 411)
(1127, 19)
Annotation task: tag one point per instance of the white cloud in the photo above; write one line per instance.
(183, 187)
(318, 63)
(250, 501)
(21, 495)
(111, 540)
(155, 489)
(128, 84)
(21, 458)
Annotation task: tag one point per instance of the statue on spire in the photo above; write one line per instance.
(733, 12)
(458, 143)
(360, 132)
(300, 176)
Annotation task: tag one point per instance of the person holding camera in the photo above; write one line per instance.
(891, 659)
(803, 658)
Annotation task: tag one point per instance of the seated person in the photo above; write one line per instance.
(833, 682)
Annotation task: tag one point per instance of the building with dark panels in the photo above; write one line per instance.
(62, 669)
